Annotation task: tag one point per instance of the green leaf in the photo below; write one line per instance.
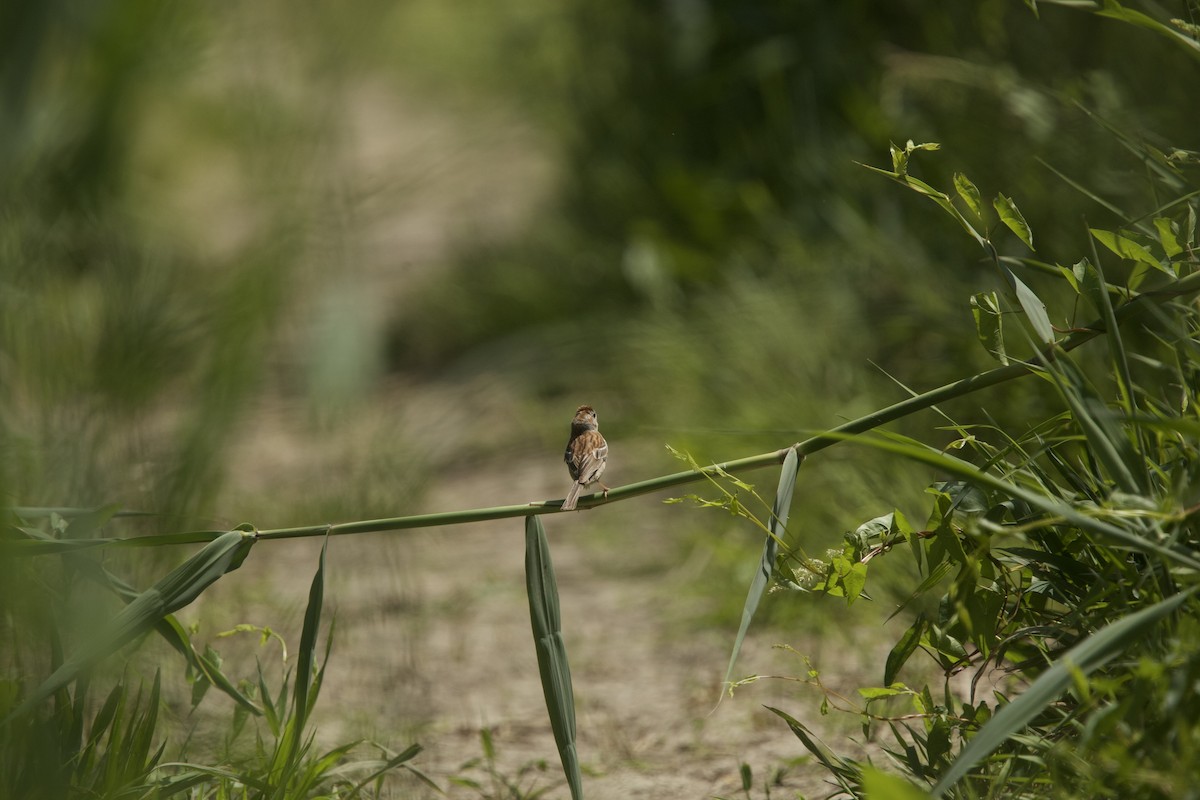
(1010, 215)
(854, 580)
(1128, 248)
(1107, 439)
(903, 649)
(1034, 308)
(900, 157)
(1086, 657)
(876, 692)
(879, 785)
(555, 671)
(969, 194)
(1166, 235)
(179, 588)
(305, 690)
(899, 173)
(989, 324)
(776, 528)
(842, 770)
(1115, 10)
(168, 627)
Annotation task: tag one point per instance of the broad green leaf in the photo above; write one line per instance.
(1128, 248)
(1085, 658)
(1166, 235)
(1010, 215)
(776, 527)
(1034, 308)
(854, 580)
(989, 324)
(969, 194)
(1069, 276)
(179, 588)
(555, 670)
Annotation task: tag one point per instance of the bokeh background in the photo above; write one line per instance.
(295, 264)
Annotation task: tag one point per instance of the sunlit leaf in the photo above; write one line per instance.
(1125, 246)
(1166, 236)
(1011, 216)
(969, 194)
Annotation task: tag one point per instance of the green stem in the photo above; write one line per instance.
(809, 446)
(983, 380)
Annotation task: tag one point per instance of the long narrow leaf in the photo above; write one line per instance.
(1119, 536)
(179, 588)
(776, 527)
(304, 691)
(168, 627)
(555, 671)
(1086, 657)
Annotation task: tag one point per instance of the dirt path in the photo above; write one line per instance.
(433, 644)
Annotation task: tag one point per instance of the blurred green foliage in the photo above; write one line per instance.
(190, 225)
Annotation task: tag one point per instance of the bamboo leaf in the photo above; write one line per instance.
(904, 648)
(1034, 308)
(1083, 659)
(1128, 248)
(1011, 216)
(179, 588)
(1166, 235)
(969, 194)
(776, 528)
(555, 671)
(989, 324)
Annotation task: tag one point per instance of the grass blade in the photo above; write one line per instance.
(776, 527)
(551, 649)
(168, 627)
(292, 745)
(1086, 657)
(179, 588)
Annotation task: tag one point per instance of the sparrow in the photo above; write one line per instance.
(586, 455)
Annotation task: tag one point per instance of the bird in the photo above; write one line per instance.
(586, 454)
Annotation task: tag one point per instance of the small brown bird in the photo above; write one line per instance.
(586, 456)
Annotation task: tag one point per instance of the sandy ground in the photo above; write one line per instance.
(433, 639)
(433, 645)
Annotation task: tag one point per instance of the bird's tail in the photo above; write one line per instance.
(572, 497)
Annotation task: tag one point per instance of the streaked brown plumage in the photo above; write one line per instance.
(586, 454)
